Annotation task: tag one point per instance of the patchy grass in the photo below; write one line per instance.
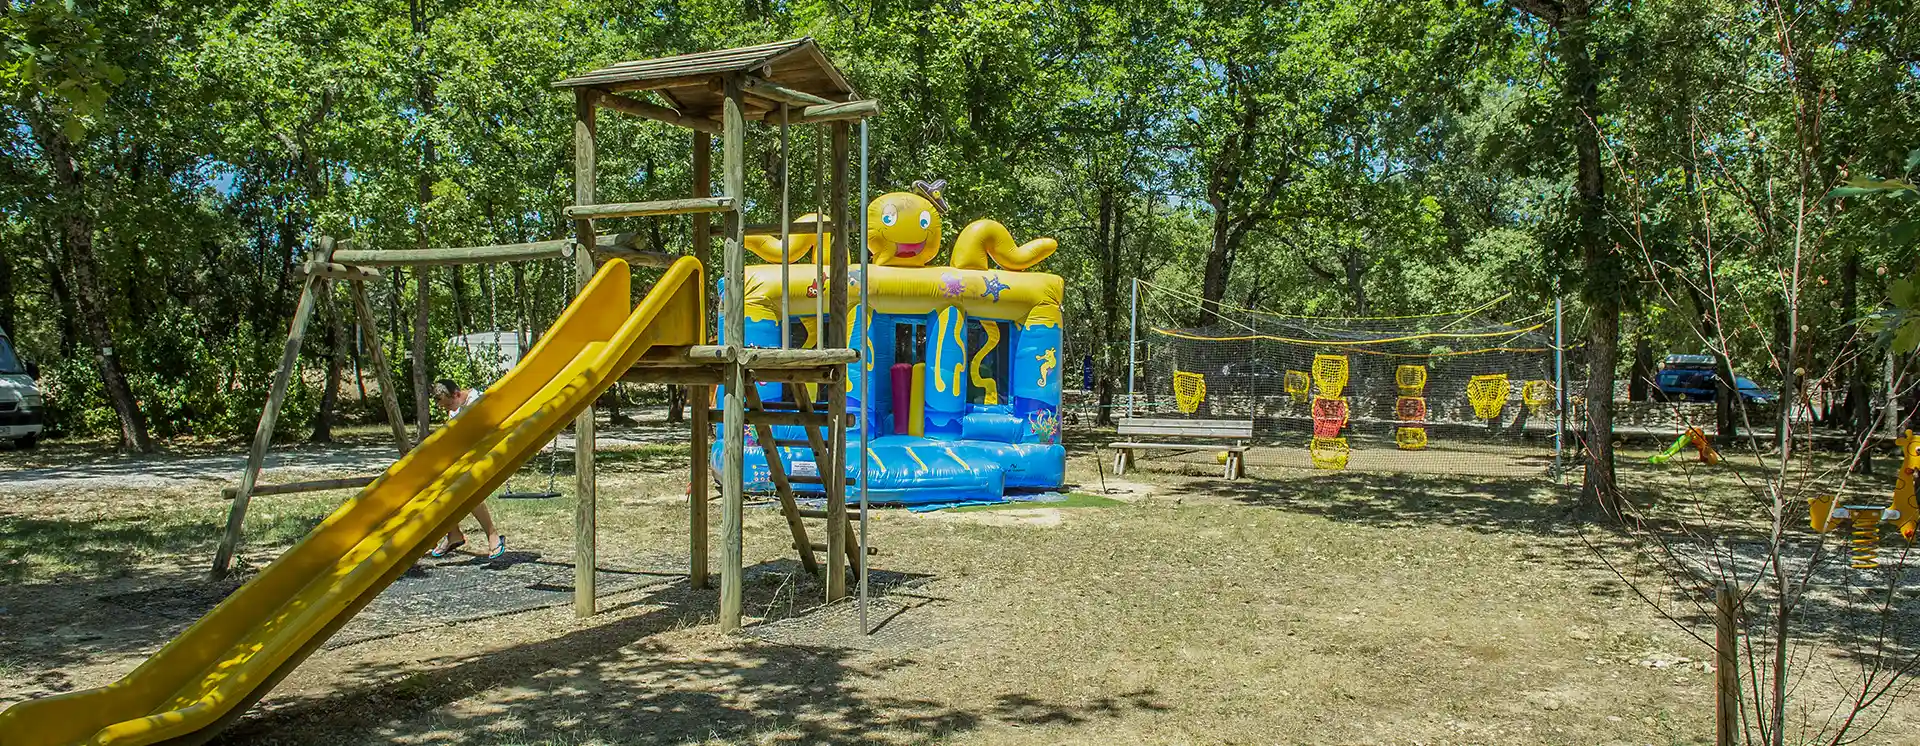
(1293, 607)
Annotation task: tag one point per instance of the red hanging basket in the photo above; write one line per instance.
(1329, 416)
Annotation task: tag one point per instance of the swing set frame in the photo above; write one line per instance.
(717, 92)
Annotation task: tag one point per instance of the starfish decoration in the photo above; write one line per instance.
(993, 287)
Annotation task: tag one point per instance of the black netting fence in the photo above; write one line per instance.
(1442, 393)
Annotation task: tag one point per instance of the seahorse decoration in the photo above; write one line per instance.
(903, 230)
(1047, 364)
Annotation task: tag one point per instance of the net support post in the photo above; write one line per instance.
(1559, 386)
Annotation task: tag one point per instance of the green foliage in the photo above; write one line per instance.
(1899, 326)
(53, 61)
(1362, 157)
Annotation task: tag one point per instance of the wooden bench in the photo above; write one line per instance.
(1237, 432)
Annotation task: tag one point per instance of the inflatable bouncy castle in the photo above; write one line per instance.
(960, 369)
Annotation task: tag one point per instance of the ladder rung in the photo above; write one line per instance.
(793, 443)
(871, 550)
(810, 513)
(655, 207)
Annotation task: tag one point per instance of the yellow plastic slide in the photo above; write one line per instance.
(226, 661)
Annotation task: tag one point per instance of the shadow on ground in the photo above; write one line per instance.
(1409, 501)
(611, 683)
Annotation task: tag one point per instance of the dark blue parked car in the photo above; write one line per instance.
(1691, 378)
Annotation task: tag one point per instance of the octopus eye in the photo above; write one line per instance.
(887, 219)
(926, 218)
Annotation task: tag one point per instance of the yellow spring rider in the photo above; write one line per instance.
(1863, 521)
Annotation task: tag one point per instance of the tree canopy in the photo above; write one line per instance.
(167, 163)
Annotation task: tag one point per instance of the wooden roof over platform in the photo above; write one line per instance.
(794, 72)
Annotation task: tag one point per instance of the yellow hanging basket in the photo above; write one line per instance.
(1488, 394)
(1537, 395)
(1189, 390)
(1412, 379)
(1328, 453)
(1410, 438)
(1299, 386)
(1330, 372)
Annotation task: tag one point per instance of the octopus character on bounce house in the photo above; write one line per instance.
(959, 364)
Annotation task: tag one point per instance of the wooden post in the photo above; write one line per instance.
(1726, 676)
(382, 373)
(584, 518)
(700, 397)
(734, 315)
(835, 469)
(263, 433)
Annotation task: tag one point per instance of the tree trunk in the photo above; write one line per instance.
(7, 268)
(423, 290)
(1597, 490)
(1219, 268)
(330, 309)
(1605, 271)
(522, 330)
(1355, 265)
(421, 374)
(1640, 383)
(396, 334)
(82, 268)
(1108, 253)
(1857, 410)
(359, 374)
(462, 313)
(62, 296)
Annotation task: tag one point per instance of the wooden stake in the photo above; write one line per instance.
(584, 510)
(733, 420)
(700, 397)
(382, 373)
(1726, 677)
(263, 433)
(834, 469)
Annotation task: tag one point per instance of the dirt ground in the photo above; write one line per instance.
(1292, 607)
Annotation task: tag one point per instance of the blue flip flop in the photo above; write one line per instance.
(445, 549)
(499, 548)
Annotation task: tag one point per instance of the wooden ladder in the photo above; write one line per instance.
(826, 456)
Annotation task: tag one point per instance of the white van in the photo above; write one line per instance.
(22, 406)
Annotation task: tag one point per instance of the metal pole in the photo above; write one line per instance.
(1133, 341)
(786, 241)
(820, 245)
(1559, 382)
(860, 368)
